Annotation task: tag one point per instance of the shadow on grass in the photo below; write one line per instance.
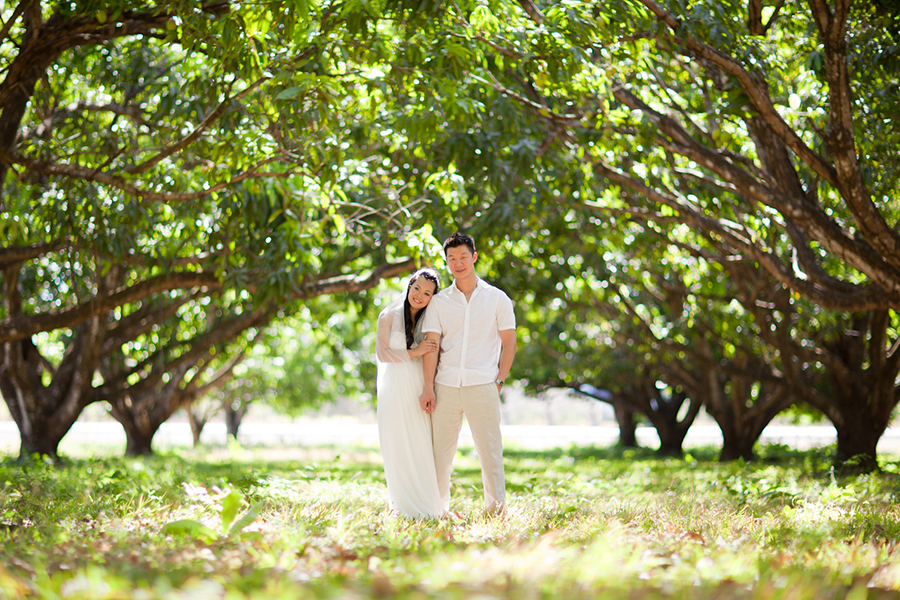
(765, 454)
(245, 468)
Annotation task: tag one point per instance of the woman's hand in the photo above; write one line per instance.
(427, 345)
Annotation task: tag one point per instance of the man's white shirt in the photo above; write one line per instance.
(470, 333)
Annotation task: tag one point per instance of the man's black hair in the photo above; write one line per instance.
(459, 239)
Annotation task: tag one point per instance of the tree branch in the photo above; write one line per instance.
(532, 11)
(12, 19)
(543, 110)
(11, 254)
(17, 328)
(142, 320)
(354, 283)
(191, 137)
(132, 112)
(91, 174)
(797, 208)
(756, 90)
(217, 380)
(865, 297)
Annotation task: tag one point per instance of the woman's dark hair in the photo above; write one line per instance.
(432, 276)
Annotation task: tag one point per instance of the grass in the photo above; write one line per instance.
(582, 523)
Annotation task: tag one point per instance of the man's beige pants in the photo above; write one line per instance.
(481, 406)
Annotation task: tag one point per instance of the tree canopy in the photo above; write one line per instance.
(709, 190)
(172, 176)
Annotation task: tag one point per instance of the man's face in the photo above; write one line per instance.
(461, 261)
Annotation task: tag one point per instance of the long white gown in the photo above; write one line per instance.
(404, 429)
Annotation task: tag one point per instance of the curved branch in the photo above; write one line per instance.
(12, 254)
(12, 19)
(90, 174)
(863, 298)
(155, 366)
(142, 320)
(132, 112)
(152, 369)
(755, 89)
(354, 283)
(840, 136)
(144, 260)
(798, 209)
(216, 381)
(57, 36)
(532, 11)
(191, 137)
(543, 110)
(18, 328)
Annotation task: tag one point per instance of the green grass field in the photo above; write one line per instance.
(582, 523)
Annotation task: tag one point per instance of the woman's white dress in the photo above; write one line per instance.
(404, 431)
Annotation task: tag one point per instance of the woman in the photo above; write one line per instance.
(404, 429)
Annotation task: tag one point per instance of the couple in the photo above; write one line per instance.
(421, 400)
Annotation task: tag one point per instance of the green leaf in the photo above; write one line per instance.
(247, 519)
(192, 529)
(340, 224)
(291, 92)
(230, 507)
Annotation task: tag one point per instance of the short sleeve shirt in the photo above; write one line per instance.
(470, 333)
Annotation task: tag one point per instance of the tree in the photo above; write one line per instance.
(144, 396)
(856, 388)
(159, 158)
(748, 123)
(308, 359)
(577, 331)
(700, 317)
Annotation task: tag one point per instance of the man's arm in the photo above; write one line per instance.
(429, 365)
(507, 353)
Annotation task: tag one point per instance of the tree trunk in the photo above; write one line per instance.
(858, 392)
(141, 413)
(197, 422)
(45, 413)
(664, 418)
(233, 418)
(139, 426)
(857, 442)
(40, 417)
(736, 444)
(42, 440)
(859, 428)
(663, 412)
(743, 399)
(742, 419)
(671, 438)
(548, 412)
(138, 442)
(627, 427)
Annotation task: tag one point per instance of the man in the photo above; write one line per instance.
(475, 326)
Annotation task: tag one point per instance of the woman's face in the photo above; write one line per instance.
(420, 293)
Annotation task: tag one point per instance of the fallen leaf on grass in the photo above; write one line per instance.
(342, 553)
(690, 536)
(382, 586)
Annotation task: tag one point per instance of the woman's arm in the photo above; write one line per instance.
(383, 351)
(386, 354)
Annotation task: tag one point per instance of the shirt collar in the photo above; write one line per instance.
(478, 284)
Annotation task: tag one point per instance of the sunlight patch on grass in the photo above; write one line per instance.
(581, 523)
